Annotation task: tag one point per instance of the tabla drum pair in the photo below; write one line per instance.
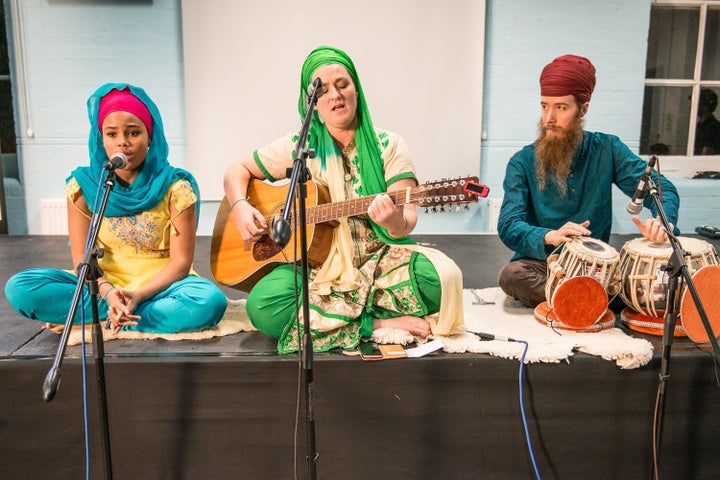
(644, 287)
(578, 284)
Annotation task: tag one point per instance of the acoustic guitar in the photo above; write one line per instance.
(234, 265)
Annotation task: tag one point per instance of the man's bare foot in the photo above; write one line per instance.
(417, 326)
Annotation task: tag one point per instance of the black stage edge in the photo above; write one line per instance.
(225, 408)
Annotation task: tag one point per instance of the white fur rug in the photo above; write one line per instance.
(235, 320)
(495, 314)
(503, 316)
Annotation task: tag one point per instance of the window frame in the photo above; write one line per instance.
(687, 165)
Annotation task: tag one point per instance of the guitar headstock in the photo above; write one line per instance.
(450, 191)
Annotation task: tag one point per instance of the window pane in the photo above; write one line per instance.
(711, 49)
(7, 124)
(4, 67)
(707, 131)
(672, 42)
(666, 121)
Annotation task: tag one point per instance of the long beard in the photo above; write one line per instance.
(554, 154)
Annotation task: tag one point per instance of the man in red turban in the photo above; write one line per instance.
(560, 187)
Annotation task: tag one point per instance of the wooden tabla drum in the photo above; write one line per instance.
(706, 281)
(644, 281)
(578, 284)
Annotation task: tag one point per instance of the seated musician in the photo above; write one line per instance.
(148, 283)
(374, 275)
(560, 186)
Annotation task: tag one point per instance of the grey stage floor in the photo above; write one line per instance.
(480, 258)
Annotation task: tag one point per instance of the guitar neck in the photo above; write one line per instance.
(357, 206)
(445, 192)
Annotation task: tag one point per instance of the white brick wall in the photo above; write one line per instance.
(70, 48)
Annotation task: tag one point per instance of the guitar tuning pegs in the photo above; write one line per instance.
(426, 209)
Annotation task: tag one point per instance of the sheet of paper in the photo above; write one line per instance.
(424, 349)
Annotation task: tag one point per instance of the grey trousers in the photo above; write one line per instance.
(524, 280)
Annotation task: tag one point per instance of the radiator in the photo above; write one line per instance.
(493, 210)
(53, 216)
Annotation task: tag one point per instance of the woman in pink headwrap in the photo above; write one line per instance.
(147, 233)
(560, 186)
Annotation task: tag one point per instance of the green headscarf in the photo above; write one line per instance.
(371, 163)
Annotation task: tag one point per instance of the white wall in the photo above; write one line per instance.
(69, 48)
(72, 46)
(523, 36)
(420, 64)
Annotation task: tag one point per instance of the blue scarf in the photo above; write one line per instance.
(153, 181)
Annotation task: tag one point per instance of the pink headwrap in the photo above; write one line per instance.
(124, 101)
(568, 75)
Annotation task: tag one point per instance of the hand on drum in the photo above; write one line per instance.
(567, 232)
(652, 229)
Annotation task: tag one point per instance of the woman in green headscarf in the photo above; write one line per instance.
(374, 276)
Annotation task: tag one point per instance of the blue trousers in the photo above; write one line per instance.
(188, 305)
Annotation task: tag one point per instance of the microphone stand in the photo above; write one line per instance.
(676, 268)
(299, 175)
(88, 271)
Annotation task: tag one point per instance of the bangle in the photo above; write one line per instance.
(103, 283)
(104, 297)
(246, 199)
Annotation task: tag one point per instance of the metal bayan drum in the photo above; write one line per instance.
(642, 271)
(579, 282)
(644, 281)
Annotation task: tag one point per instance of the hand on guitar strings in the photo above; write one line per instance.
(250, 222)
(382, 210)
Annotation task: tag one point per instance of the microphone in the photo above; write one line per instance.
(281, 232)
(316, 88)
(118, 160)
(635, 205)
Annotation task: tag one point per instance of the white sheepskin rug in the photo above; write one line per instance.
(487, 310)
(490, 311)
(235, 320)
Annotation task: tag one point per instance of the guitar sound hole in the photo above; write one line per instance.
(265, 248)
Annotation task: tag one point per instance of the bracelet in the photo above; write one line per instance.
(246, 199)
(103, 283)
(104, 297)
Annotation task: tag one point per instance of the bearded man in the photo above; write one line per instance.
(560, 187)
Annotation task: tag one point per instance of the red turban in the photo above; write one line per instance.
(123, 100)
(568, 75)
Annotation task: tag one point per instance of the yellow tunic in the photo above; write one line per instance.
(136, 247)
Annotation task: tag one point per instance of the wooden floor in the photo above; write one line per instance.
(225, 407)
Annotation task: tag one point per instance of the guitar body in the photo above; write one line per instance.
(237, 267)
(234, 265)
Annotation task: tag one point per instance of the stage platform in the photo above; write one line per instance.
(226, 407)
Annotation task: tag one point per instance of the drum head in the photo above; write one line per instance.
(592, 247)
(706, 281)
(547, 317)
(643, 323)
(579, 302)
